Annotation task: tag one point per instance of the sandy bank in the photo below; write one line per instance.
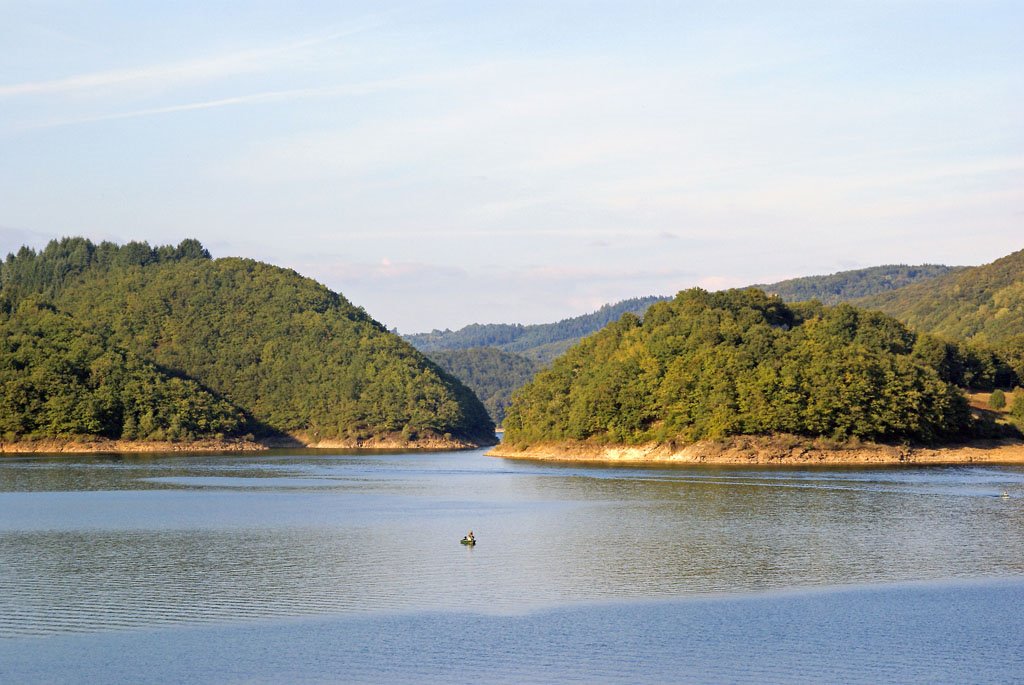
(389, 444)
(101, 445)
(778, 451)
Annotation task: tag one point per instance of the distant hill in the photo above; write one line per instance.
(539, 342)
(845, 286)
(704, 366)
(544, 342)
(495, 360)
(983, 305)
(491, 373)
(134, 342)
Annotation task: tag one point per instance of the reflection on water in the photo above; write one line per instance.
(91, 543)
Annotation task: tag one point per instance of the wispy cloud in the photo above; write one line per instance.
(353, 89)
(182, 72)
(286, 95)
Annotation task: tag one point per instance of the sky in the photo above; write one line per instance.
(443, 163)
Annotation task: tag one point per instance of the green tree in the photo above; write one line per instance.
(1017, 407)
(997, 400)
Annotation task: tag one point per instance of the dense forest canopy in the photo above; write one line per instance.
(64, 261)
(258, 348)
(982, 305)
(710, 365)
(489, 372)
(62, 379)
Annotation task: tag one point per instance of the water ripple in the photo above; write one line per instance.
(166, 542)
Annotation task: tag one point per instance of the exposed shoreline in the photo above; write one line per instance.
(781, 451)
(103, 445)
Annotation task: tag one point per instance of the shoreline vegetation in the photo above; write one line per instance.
(780, 450)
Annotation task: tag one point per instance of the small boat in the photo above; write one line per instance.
(467, 541)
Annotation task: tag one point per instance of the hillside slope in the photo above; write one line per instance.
(58, 378)
(982, 304)
(489, 372)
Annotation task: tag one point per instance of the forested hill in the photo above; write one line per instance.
(489, 372)
(539, 342)
(710, 365)
(982, 304)
(845, 286)
(165, 343)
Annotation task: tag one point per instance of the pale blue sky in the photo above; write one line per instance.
(448, 162)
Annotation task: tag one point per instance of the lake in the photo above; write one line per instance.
(347, 567)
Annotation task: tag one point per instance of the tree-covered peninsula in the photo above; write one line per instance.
(707, 366)
(130, 342)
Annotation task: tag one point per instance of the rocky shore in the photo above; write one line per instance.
(102, 445)
(781, 450)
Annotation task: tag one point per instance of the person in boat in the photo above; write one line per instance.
(469, 537)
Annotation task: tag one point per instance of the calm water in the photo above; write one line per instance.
(346, 567)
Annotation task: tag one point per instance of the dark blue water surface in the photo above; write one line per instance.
(346, 568)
